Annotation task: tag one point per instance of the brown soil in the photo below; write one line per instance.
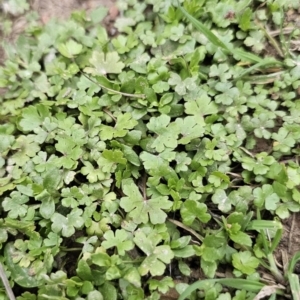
(60, 9)
(63, 8)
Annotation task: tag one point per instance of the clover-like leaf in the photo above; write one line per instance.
(15, 205)
(241, 198)
(26, 146)
(105, 63)
(181, 86)
(190, 128)
(139, 64)
(141, 209)
(93, 174)
(149, 38)
(256, 40)
(192, 210)
(66, 225)
(202, 106)
(121, 44)
(245, 262)
(265, 196)
(157, 256)
(222, 71)
(70, 149)
(33, 117)
(119, 240)
(182, 161)
(115, 156)
(223, 201)
(260, 165)
(124, 123)
(6, 141)
(228, 93)
(88, 243)
(70, 49)
(284, 140)
(161, 285)
(47, 207)
(260, 124)
(167, 133)
(174, 118)
(52, 240)
(158, 165)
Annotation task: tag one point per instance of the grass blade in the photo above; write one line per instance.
(276, 240)
(248, 285)
(264, 63)
(247, 56)
(295, 286)
(240, 54)
(208, 33)
(264, 225)
(292, 264)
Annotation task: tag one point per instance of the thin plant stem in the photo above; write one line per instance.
(5, 282)
(114, 91)
(190, 230)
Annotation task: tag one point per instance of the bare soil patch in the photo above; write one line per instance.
(62, 9)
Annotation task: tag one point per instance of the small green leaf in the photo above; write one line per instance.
(133, 276)
(166, 133)
(140, 209)
(181, 242)
(245, 262)
(190, 128)
(181, 86)
(157, 256)
(47, 207)
(101, 259)
(241, 238)
(184, 268)
(201, 107)
(15, 205)
(256, 40)
(94, 295)
(108, 291)
(70, 49)
(223, 201)
(115, 156)
(98, 14)
(192, 210)
(105, 63)
(124, 123)
(245, 19)
(119, 240)
(19, 274)
(265, 196)
(161, 285)
(209, 268)
(33, 117)
(66, 225)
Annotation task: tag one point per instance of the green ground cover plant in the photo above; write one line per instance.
(130, 162)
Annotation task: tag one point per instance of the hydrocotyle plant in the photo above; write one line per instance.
(132, 166)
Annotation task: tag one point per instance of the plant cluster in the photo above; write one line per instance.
(129, 161)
